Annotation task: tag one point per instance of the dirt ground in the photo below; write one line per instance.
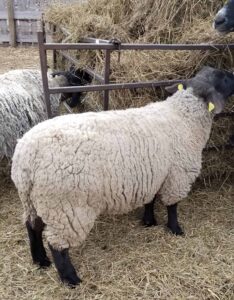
(18, 58)
(121, 259)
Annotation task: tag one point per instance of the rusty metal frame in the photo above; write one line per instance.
(108, 47)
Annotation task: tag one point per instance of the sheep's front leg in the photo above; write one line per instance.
(64, 266)
(173, 224)
(149, 218)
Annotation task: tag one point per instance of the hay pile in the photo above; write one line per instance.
(149, 21)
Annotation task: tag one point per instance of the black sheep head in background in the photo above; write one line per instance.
(224, 19)
(75, 77)
(224, 23)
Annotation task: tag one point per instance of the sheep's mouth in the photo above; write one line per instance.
(223, 29)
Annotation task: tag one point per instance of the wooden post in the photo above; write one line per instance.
(11, 22)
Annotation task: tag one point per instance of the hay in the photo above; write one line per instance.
(123, 260)
(149, 22)
(172, 21)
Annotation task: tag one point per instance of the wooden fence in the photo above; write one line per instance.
(18, 20)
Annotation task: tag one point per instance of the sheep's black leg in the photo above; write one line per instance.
(231, 140)
(64, 266)
(148, 218)
(172, 220)
(75, 99)
(36, 243)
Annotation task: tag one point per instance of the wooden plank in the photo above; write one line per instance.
(3, 27)
(23, 15)
(11, 22)
(4, 38)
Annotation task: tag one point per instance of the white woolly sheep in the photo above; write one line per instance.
(22, 105)
(22, 102)
(73, 168)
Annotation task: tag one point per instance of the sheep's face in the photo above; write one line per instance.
(212, 85)
(224, 20)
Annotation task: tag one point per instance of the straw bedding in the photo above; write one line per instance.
(123, 260)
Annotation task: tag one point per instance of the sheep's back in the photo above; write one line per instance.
(106, 160)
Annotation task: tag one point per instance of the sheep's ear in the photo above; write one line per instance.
(215, 101)
(175, 87)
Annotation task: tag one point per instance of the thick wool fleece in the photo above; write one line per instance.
(72, 168)
(22, 105)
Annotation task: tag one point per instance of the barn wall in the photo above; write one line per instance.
(26, 13)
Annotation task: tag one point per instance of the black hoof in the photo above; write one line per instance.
(175, 229)
(148, 222)
(46, 263)
(71, 280)
(66, 271)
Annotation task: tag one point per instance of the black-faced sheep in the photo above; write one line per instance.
(70, 169)
(224, 19)
(224, 23)
(22, 103)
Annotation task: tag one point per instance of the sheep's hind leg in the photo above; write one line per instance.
(64, 266)
(36, 243)
(149, 218)
(173, 224)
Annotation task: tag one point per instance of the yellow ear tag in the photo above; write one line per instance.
(211, 106)
(180, 87)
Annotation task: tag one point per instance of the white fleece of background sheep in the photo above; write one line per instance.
(72, 168)
(22, 105)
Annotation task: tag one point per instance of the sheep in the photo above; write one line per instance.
(71, 169)
(22, 104)
(76, 77)
(224, 19)
(224, 23)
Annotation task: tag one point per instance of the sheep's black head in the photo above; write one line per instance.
(211, 84)
(224, 20)
(75, 77)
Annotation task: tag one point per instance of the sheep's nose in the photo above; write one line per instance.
(220, 20)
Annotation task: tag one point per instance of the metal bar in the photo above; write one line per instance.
(104, 46)
(68, 108)
(219, 148)
(43, 62)
(176, 46)
(106, 79)
(95, 76)
(112, 86)
(64, 30)
(69, 57)
(54, 59)
(93, 40)
(78, 46)
(54, 51)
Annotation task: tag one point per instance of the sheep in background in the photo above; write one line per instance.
(77, 77)
(224, 23)
(22, 104)
(70, 169)
(224, 19)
